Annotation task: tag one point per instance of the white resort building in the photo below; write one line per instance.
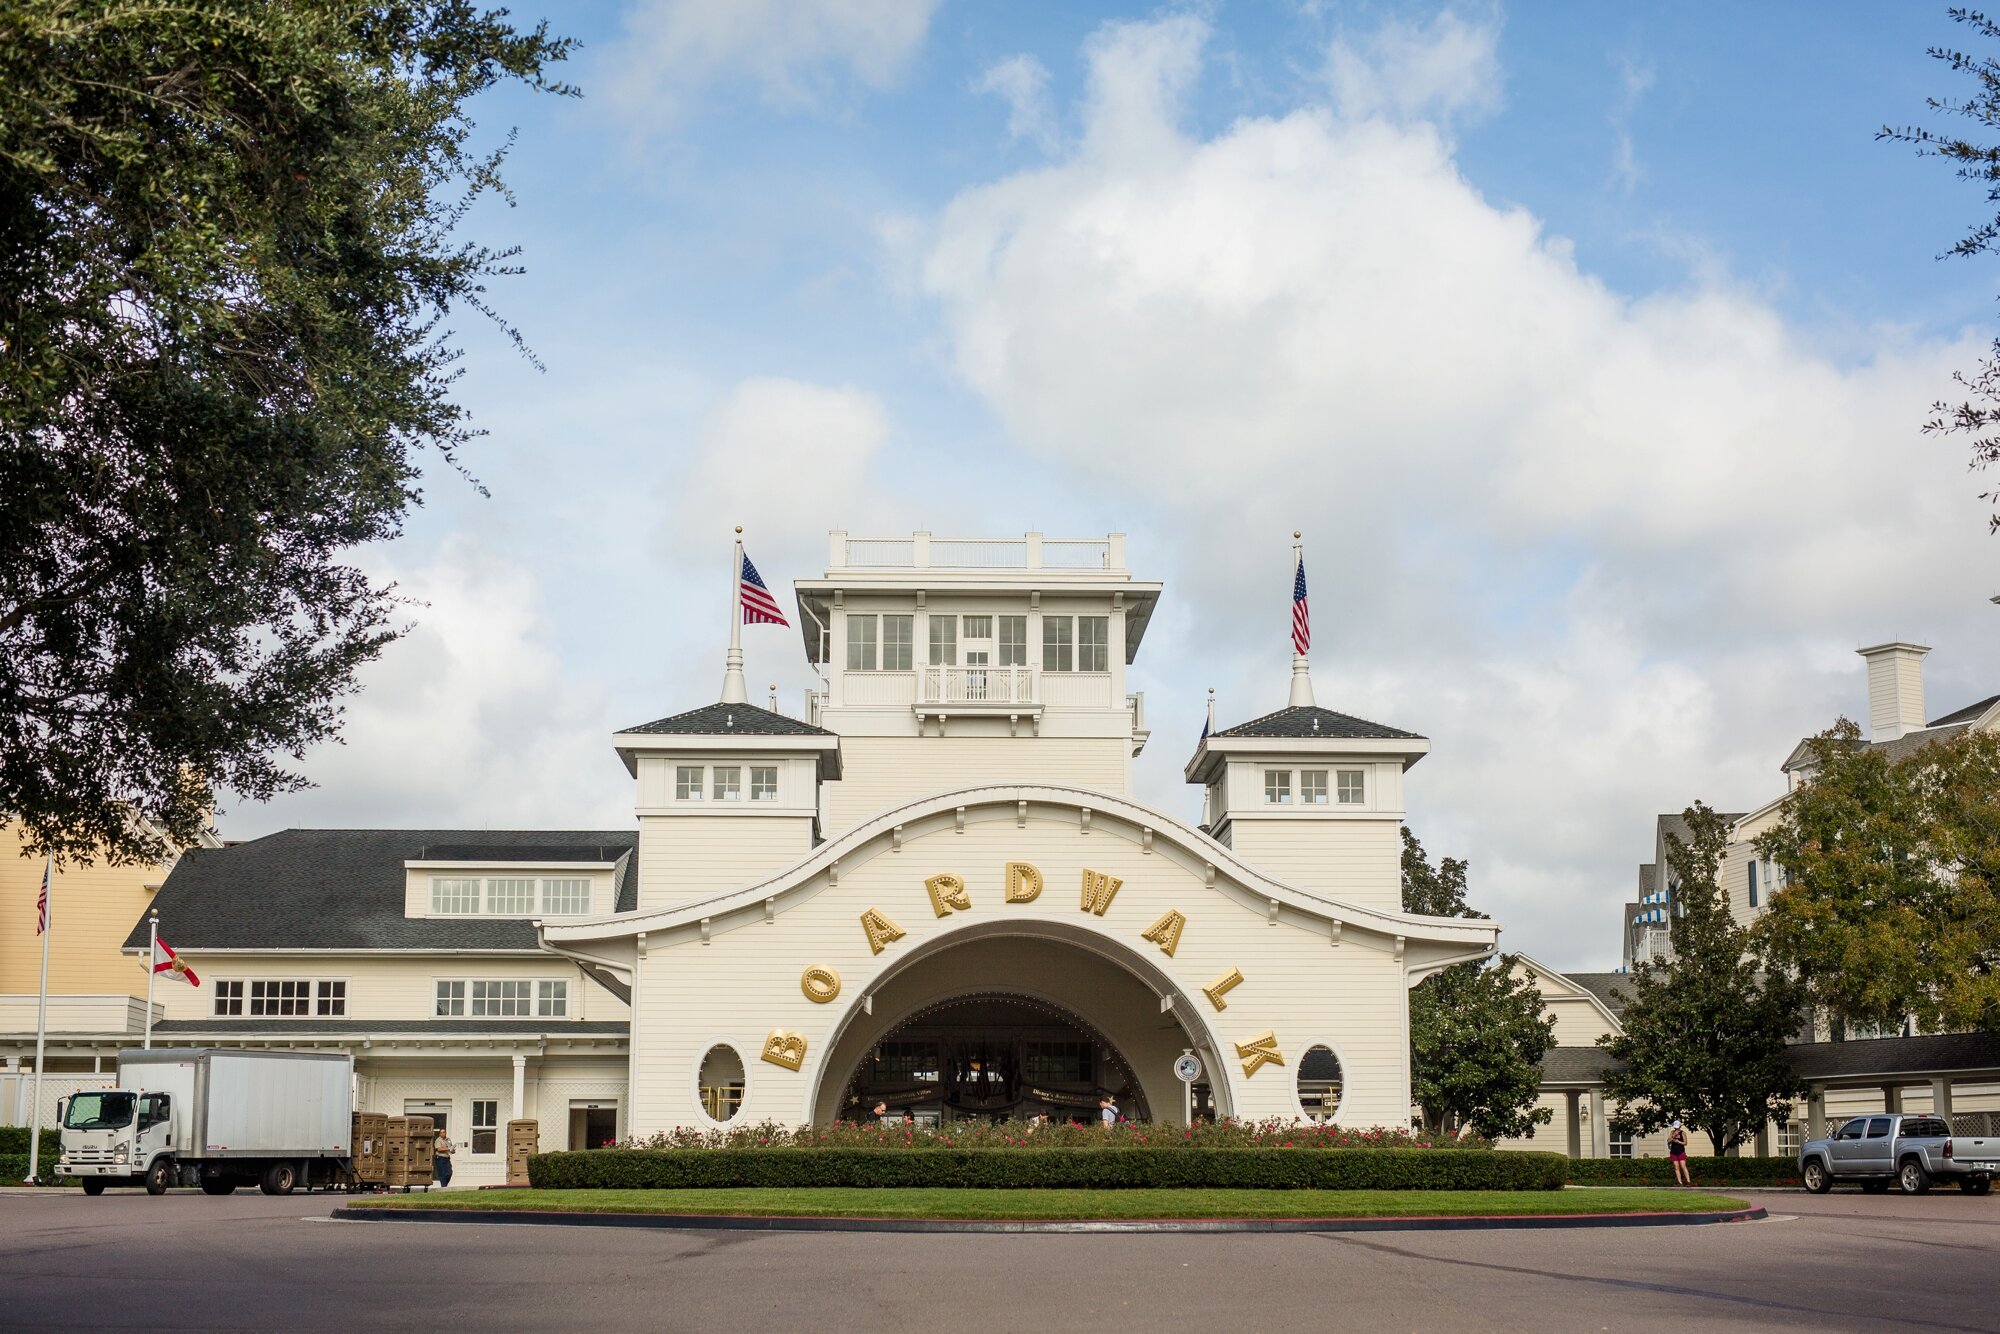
(934, 890)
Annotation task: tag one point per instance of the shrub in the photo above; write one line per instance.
(1095, 1167)
(14, 1169)
(1705, 1171)
(14, 1139)
(1225, 1134)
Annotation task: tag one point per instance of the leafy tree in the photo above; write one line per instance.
(227, 256)
(1704, 1031)
(1892, 903)
(1977, 416)
(1477, 1033)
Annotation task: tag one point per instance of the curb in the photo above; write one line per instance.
(742, 1223)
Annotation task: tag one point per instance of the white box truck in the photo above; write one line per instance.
(216, 1118)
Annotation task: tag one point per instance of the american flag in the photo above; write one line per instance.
(759, 607)
(1302, 629)
(42, 902)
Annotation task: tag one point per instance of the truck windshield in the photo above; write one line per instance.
(99, 1111)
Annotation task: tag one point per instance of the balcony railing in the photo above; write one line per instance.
(977, 685)
(1030, 551)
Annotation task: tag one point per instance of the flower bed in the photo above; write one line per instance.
(1056, 1166)
(1226, 1134)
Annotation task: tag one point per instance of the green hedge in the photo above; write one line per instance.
(1704, 1171)
(1064, 1168)
(14, 1169)
(14, 1139)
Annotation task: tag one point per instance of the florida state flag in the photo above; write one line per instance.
(168, 965)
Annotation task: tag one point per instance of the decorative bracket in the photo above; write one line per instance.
(958, 820)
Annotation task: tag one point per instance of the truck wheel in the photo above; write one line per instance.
(217, 1186)
(279, 1178)
(1912, 1178)
(1818, 1180)
(93, 1185)
(159, 1176)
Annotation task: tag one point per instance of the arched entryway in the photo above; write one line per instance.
(992, 1056)
(1052, 1016)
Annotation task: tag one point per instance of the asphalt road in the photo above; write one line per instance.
(190, 1261)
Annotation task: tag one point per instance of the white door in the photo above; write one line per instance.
(977, 646)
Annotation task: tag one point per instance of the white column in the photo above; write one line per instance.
(1572, 1103)
(1941, 1096)
(1600, 1127)
(520, 1086)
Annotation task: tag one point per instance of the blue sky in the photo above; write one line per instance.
(1587, 344)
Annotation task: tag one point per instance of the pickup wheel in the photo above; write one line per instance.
(279, 1178)
(1817, 1179)
(1911, 1177)
(159, 1176)
(93, 1185)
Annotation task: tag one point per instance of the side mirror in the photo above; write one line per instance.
(62, 1110)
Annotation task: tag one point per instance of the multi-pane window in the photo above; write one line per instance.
(979, 627)
(1753, 883)
(507, 999)
(1058, 644)
(229, 998)
(552, 998)
(896, 636)
(1278, 786)
(450, 999)
(944, 641)
(1351, 786)
(1312, 787)
(281, 996)
(565, 897)
(330, 998)
(763, 782)
(687, 782)
(510, 895)
(861, 644)
(1621, 1144)
(485, 1124)
(1013, 641)
(454, 894)
(728, 782)
(1790, 1138)
(1093, 643)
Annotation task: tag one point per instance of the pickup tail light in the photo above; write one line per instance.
(1947, 1148)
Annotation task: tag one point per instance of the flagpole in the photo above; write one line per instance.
(1302, 684)
(733, 689)
(152, 957)
(41, 1022)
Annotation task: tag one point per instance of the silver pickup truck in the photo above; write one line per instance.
(1909, 1152)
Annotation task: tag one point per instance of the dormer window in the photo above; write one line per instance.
(687, 777)
(511, 895)
(1312, 787)
(454, 894)
(1278, 787)
(1352, 786)
(728, 782)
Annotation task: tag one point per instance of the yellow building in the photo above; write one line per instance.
(95, 907)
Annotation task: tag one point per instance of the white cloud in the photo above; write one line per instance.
(472, 719)
(796, 53)
(1595, 547)
(1445, 69)
(1022, 82)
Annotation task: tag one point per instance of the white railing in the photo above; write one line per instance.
(815, 707)
(1030, 551)
(1135, 704)
(978, 685)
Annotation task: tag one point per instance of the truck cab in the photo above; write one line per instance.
(121, 1136)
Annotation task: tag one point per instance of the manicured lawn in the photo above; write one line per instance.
(844, 1202)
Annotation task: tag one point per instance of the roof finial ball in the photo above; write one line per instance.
(739, 530)
(1296, 533)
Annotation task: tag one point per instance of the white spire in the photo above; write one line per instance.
(733, 689)
(1302, 685)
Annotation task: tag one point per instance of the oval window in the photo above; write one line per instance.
(720, 1083)
(1319, 1083)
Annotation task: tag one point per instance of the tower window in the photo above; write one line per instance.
(763, 782)
(1093, 643)
(728, 782)
(1351, 786)
(944, 641)
(687, 782)
(861, 656)
(1312, 787)
(1278, 786)
(896, 636)
(1013, 641)
(1058, 644)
